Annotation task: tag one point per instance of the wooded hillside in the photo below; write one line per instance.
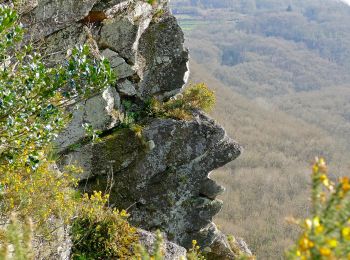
(280, 70)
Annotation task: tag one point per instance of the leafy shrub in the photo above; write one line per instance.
(33, 97)
(326, 235)
(100, 232)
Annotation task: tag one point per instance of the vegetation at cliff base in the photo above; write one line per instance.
(100, 232)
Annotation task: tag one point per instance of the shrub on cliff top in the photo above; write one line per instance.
(197, 96)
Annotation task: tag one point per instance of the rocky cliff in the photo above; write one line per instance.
(162, 175)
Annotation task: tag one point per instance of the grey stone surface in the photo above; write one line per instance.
(125, 87)
(171, 251)
(162, 187)
(222, 248)
(100, 111)
(50, 16)
(122, 69)
(211, 189)
(162, 58)
(244, 247)
(119, 35)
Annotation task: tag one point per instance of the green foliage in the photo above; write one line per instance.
(326, 234)
(152, 2)
(182, 106)
(33, 96)
(100, 232)
(39, 193)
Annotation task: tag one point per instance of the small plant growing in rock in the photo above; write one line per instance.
(157, 254)
(195, 97)
(194, 253)
(326, 234)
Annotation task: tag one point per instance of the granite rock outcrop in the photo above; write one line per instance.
(161, 176)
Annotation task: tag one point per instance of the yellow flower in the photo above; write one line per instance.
(345, 184)
(319, 229)
(308, 223)
(332, 243)
(323, 177)
(305, 244)
(325, 251)
(346, 233)
(326, 183)
(316, 221)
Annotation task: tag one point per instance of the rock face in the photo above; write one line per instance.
(143, 42)
(160, 176)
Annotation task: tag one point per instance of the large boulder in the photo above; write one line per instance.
(161, 177)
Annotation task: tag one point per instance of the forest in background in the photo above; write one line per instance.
(280, 72)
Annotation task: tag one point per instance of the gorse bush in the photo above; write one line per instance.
(40, 194)
(194, 253)
(326, 235)
(100, 232)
